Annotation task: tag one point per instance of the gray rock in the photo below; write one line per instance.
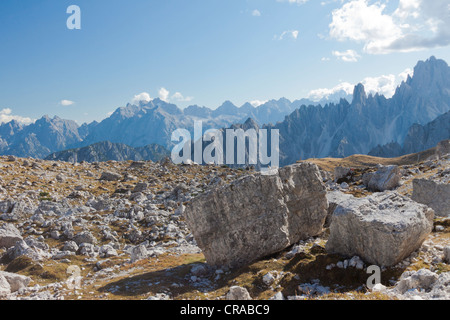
(140, 187)
(334, 199)
(258, 215)
(85, 237)
(107, 251)
(238, 293)
(21, 248)
(443, 148)
(5, 288)
(385, 178)
(110, 176)
(422, 279)
(138, 253)
(9, 235)
(278, 296)
(87, 249)
(199, 270)
(159, 296)
(447, 254)
(342, 173)
(433, 194)
(268, 279)
(70, 246)
(382, 229)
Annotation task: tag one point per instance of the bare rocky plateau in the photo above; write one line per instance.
(122, 230)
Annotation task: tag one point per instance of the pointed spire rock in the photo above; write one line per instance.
(359, 94)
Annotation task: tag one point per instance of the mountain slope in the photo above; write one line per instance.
(40, 138)
(419, 138)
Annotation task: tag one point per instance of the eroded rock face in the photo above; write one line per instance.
(433, 194)
(334, 199)
(258, 215)
(382, 229)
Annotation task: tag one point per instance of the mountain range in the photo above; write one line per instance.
(412, 120)
(105, 151)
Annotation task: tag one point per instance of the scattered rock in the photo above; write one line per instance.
(110, 176)
(238, 293)
(9, 235)
(268, 279)
(85, 237)
(385, 178)
(138, 253)
(447, 254)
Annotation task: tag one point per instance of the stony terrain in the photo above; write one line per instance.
(118, 230)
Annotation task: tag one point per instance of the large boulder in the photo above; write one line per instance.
(9, 235)
(385, 178)
(382, 229)
(436, 195)
(16, 281)
(258, 215)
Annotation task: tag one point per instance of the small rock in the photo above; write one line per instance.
(110, 176)
(238, 293)
(9, 235)
(268, 279)
(447, 254)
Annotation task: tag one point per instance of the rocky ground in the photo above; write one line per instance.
(116, 230)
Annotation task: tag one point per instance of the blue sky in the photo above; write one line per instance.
(205, 52)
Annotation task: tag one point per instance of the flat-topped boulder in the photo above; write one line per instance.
(382, 229)
(258, 215)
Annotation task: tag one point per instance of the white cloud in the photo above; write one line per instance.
(289, 33)
(257, 103)
(344, 88)
(7, 116)
(384, 84)
(294, 1)
(256, 13)
(66, 103)
(413, 26)
(179, 97)
(164, 94)
(347, 56)
(144, 96)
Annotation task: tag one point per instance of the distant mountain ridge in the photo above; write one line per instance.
(136, 125)
(306, 130)
(343, 129)
(105, 151)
